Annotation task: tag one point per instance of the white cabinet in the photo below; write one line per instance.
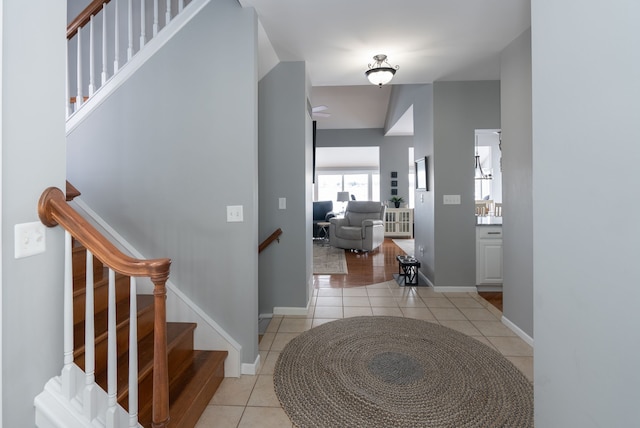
(398, 222)
(488, 255)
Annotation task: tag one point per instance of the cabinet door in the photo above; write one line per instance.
(489, 261)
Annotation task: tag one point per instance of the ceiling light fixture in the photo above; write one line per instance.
(381, 72)
(479, 174)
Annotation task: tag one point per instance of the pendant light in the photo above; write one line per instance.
(479, 174)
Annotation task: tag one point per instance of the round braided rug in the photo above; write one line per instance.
(398, 372)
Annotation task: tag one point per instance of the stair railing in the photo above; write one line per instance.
(275, 236)
(54, 210)
(107, 35)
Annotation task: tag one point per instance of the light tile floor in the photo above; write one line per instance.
(250, 401)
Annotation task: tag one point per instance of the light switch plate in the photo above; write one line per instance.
(282, 203)
(29, 239)
(234, 213)
(451, 199)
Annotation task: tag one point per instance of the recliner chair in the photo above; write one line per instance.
(362, 227)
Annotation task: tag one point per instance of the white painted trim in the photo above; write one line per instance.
(182, 308)
(1, 223)
(54, 410)
(251, 369)
(517, 330)
(264, 316)
(425, 279)
(281, 310)
(455, 289)
(489, 288)
(138, 60)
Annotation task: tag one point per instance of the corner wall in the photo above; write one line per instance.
(459, 109)
(164, 155)
(33, 158)
(517, 223)
(585, 153)
(285, 153)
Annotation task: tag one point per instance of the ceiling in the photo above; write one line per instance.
(431, 40)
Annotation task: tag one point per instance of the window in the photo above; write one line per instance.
(347, 169)
(363, 186)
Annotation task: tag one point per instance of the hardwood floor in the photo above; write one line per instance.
(364, 268)
(493, 297)
(375, 267)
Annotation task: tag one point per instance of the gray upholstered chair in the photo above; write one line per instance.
(362, 227)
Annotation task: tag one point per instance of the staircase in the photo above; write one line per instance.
(194, 375)
(71, 399)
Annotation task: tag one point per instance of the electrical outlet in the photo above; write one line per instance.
(29, 239)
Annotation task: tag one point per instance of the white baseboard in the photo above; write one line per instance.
(461, 289)
(282, 310)
(251, 369)
(517, 330)
(490, 288)
(180, 308)
(425, 279)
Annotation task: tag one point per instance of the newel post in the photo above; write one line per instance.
(160, 412)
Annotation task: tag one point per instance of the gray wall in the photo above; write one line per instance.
(459, 109)
(517, 226)
(285, 149)
(424, 219)
(162, 158)
(33, 158)
(585, 151)
(394, 153)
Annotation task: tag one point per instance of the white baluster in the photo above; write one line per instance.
(104, 43)
(112, 355)
(167, 17)
(67, 88)
(79, 97)
(89, 396)
(133, 354)
(180, 6)
(92, 86)
(155, 18)
(143, 24)
(130, 30)
(68, 380)
(116, 64)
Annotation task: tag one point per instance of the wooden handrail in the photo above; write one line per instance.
(275, 236)
(71, 192)
(54, 210)
(84, 17)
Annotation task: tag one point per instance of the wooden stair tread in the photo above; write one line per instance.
(144, 303)
(175, 333)
(194, 376)
(191, 392)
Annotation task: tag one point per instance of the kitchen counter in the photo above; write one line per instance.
(488, 220)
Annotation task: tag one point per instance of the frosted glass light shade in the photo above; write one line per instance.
(381, 75)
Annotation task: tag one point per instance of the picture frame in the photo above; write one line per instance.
(422, 182)
(394, 192)
(394, 174)
(394, 183)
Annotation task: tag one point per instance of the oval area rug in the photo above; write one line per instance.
(398, 372)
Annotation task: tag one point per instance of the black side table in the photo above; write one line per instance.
(408, 269)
